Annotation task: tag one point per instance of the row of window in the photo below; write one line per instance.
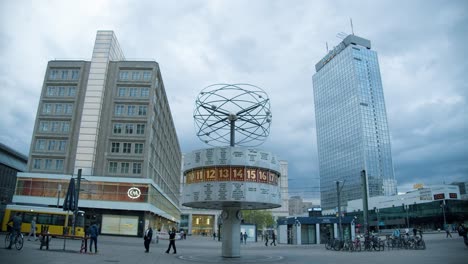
(129, 129)
(54, 126)
(124, 167)
(133, 92)
(64, 74)
(50, 145)
(135, 75)
(61, 91)
(127, 147)
(131, 110)
(57, 109)
(48, 164)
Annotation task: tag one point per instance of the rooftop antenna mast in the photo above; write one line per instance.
(352, 28)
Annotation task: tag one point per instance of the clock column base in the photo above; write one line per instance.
(231, 233)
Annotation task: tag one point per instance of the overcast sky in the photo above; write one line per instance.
(421, 45)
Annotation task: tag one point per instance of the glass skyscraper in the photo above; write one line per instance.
(351, 120)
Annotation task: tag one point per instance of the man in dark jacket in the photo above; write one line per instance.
(93, 234)
(16, 228)
(172, 235)
(148, 236)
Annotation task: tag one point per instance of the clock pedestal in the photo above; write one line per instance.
(231, 233)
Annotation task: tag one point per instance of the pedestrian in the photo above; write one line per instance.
(93, 234)
(148, 237)
(396, 233)
(15, 228)
(266, 239)
(447, 231)
(245, 237)
(415, 231)
(33, 229)
(273, 238)
(214, 235)
(172, 235)
(242, 237)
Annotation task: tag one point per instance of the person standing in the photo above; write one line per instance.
(172, 235)
(245, 238)
(33, 229)
(16, 227)
(93, 234)
(266, 239)
(273, 238)
(148, 237)
(242, 237)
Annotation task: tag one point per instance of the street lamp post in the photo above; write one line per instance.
(406, 206)
(443, 212)
(378, 222)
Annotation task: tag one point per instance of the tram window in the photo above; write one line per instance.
(44, 219)
(27, 217)
(58, 220)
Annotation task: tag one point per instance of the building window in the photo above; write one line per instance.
(43, 126)
(129, 129)
(64, 74)
(123, 75)
(40, 144)
(47, 109)
(119, 109)
(146, 75)
(138, 148)
(50, 91)
(53, 74)
(135, 75)
(115, 147)
(58, 109)
(66, 127)
(112, 167)
(145, 92)
(71, 91)
(59, 164)
(117, 128)
(131, 110)
(55, 126)
(48, 164)
(122, 92)
(127, 148)
(142, 110)
(124, 167)
(62, 145)
(140, 129)
(133, 92)
(51, 146)
(37, 163)
(136, 168)
(61, 91)
(75, 74)
(68, 109)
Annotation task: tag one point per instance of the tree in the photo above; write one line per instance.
(261, 218)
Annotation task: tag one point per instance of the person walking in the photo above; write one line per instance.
(273, 238)
(172, 235)
(242, 237)
(245, 238)
(266, 239)
(16, 227)
(93, 234)
(33, 229)
(148, 237)
(447, 231)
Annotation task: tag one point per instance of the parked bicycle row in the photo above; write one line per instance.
(375, 243)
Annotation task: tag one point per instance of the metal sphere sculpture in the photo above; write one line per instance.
(234, 114)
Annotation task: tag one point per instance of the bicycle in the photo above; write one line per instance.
(18, 240)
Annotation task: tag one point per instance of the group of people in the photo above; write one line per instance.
(273, 238)
(148, 236)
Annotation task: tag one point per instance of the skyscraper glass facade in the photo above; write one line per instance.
(352, 128)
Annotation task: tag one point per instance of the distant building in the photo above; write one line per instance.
(11, 162)
(463, 186)
(297, 206)
(110, 118)
(352, 127)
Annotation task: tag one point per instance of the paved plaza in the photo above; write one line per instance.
(112, 249)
